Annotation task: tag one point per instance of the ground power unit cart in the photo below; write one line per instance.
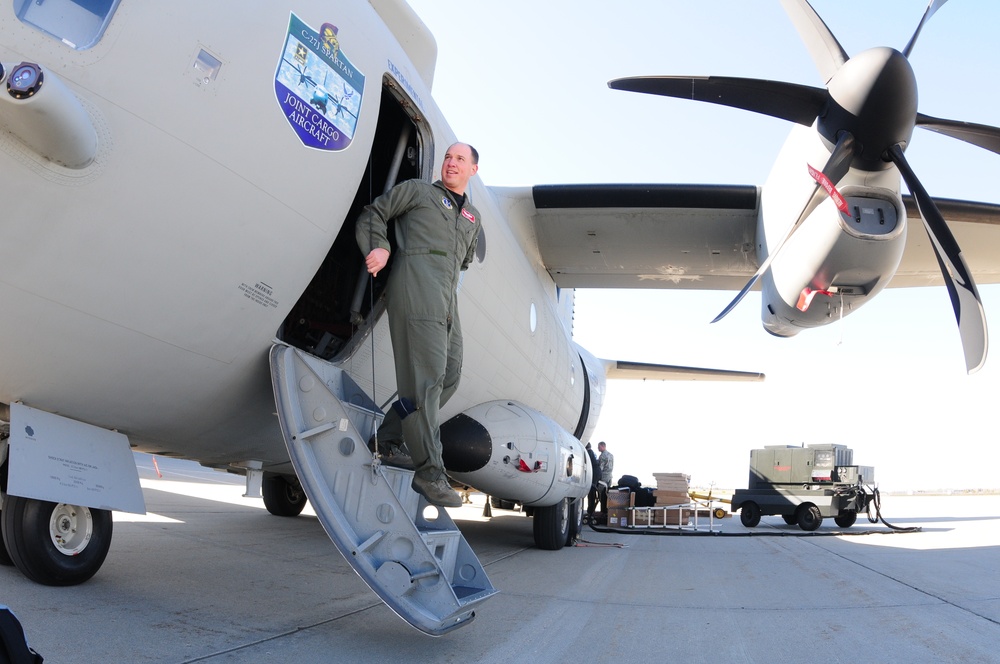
(803, 485)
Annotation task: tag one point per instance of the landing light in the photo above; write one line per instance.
(25, 80)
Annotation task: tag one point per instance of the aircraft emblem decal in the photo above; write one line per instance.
(317, 87)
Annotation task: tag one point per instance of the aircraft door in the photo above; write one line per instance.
(341, 305)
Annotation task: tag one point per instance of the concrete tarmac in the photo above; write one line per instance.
(209, 576)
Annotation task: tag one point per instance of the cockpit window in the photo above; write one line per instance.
(76, 23)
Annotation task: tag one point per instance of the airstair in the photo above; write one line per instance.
(408, 551)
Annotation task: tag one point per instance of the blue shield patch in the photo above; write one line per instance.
(317, 87)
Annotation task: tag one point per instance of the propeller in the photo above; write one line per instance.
(785, 101)
(932, 7)
(957, 277)
(867, 111)
(982, 136)
(827, 53)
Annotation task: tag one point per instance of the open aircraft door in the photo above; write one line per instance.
(408, 551)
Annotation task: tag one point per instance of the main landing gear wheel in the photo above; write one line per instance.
(4, 556)
(750, 514)
(551, 525)
(575, 520)
(846, 518)
(55, 544)
(500, 504)
(809, 517)
(282, 496)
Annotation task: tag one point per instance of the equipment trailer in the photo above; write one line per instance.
(803, 485)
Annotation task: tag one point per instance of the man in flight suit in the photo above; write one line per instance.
(606, 463)
(436, 232)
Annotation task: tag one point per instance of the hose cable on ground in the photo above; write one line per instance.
(876, 500)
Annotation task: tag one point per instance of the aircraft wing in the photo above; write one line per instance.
(644, 236)
(621, 370)
(976, 227)
(699, 236)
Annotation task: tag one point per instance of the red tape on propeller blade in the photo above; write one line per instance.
(831, 190)
(807, 295)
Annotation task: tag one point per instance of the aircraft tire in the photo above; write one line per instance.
(500, 504)
(846, 518)
(551, 525)
(809, 517)
(5, 558)
(575, 520)
(750, 514)
(281, 496)
(53, 543)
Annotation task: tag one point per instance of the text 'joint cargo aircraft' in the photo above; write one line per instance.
(179, 273)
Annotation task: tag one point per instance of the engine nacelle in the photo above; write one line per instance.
(510, 451)
(835, 262)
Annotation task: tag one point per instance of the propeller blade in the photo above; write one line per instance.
(836, 168)
(982, 136)
(786, 101)
(827, 53)
(932, 7)
(957, 277)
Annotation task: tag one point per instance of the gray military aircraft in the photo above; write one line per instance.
(169, 290)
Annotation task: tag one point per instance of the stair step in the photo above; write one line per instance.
(408, 551)
(399, 481)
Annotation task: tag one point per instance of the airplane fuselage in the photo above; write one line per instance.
(143, 289)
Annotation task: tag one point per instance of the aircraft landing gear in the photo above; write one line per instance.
(4, 556)
(55, 544)
(552, 525)
(575, 520)
(283, 496)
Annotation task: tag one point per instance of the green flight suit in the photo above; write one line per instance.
(436, 235)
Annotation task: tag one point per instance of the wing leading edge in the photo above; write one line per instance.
(621, 370)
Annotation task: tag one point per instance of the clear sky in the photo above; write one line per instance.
(526, 83)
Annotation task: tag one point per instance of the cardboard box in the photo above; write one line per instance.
(620, 498)
(618, 517)
(672, 481)
(671, 497)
